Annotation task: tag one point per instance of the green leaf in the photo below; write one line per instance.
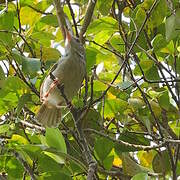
(43, 37)
(118, 43)
(136, 103)
(103, 147)
(13, 168)
(7, 21)
(114, 106)
(124, 85)
(55, 139)
(49, 54)
(4, 128)
(105, 23)
(2, 77)
(102, 37)
(31, 66)
(159, 13)
(22, 101)
(56, 158)
(164, 100)
(145, 65)
(142, 176)
(108, 162)
(99, 86)
(50, 20)
(161, 162)
(6, 39)
(104, 7)
(152, 73)
(173, 26)
(159, 42)
(91, 54)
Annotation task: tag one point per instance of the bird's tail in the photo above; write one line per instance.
(49, 116)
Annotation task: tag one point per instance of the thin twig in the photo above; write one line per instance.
(126, 144)
(25, 164)
(73, 17)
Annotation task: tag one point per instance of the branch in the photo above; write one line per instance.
(136, 146)
(25, 165)
(77, 117)
(32, 126)
(73, 17)
(39, 11)
(60, 16)
(87, 18)
(128, 53)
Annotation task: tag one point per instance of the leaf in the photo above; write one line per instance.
(55, 139)
(103, 147)
(31, 66)
(173, 26)
(159, 13)
(14, 168)
(161, 162)
(2, 77)
(145, 65)
(43, 37)
(108, 162)
(142, 176)
(22, 101)
(136, 103)
(114, 106)
(130, 167)
(105, 23)
(48, 54)
(164, 100)
(152, 73)
(29, 16)
(118, 43)
(7, 21)
(18, 139)
(91, 54)
(102, 37)
(4, 128)
(125, 84)
(50, 20)
(159, 42)
(56, 158)
(104, 7)
(99, 86)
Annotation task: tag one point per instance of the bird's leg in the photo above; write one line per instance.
(52, 86)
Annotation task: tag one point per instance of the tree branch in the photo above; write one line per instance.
(60, 16)
(87, 18)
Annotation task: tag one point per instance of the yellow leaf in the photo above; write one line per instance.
(146, 158)
(117, 162)
(29, 16)
(111, 96)
(19, 139)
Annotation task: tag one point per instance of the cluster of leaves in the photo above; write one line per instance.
(133, 64)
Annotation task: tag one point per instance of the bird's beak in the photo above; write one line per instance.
(68, 36)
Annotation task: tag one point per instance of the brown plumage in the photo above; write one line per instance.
(69, 71)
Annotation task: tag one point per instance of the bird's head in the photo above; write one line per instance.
(72, 43)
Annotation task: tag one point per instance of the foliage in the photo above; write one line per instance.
(131, 101)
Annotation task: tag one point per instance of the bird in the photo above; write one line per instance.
(69, 71)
